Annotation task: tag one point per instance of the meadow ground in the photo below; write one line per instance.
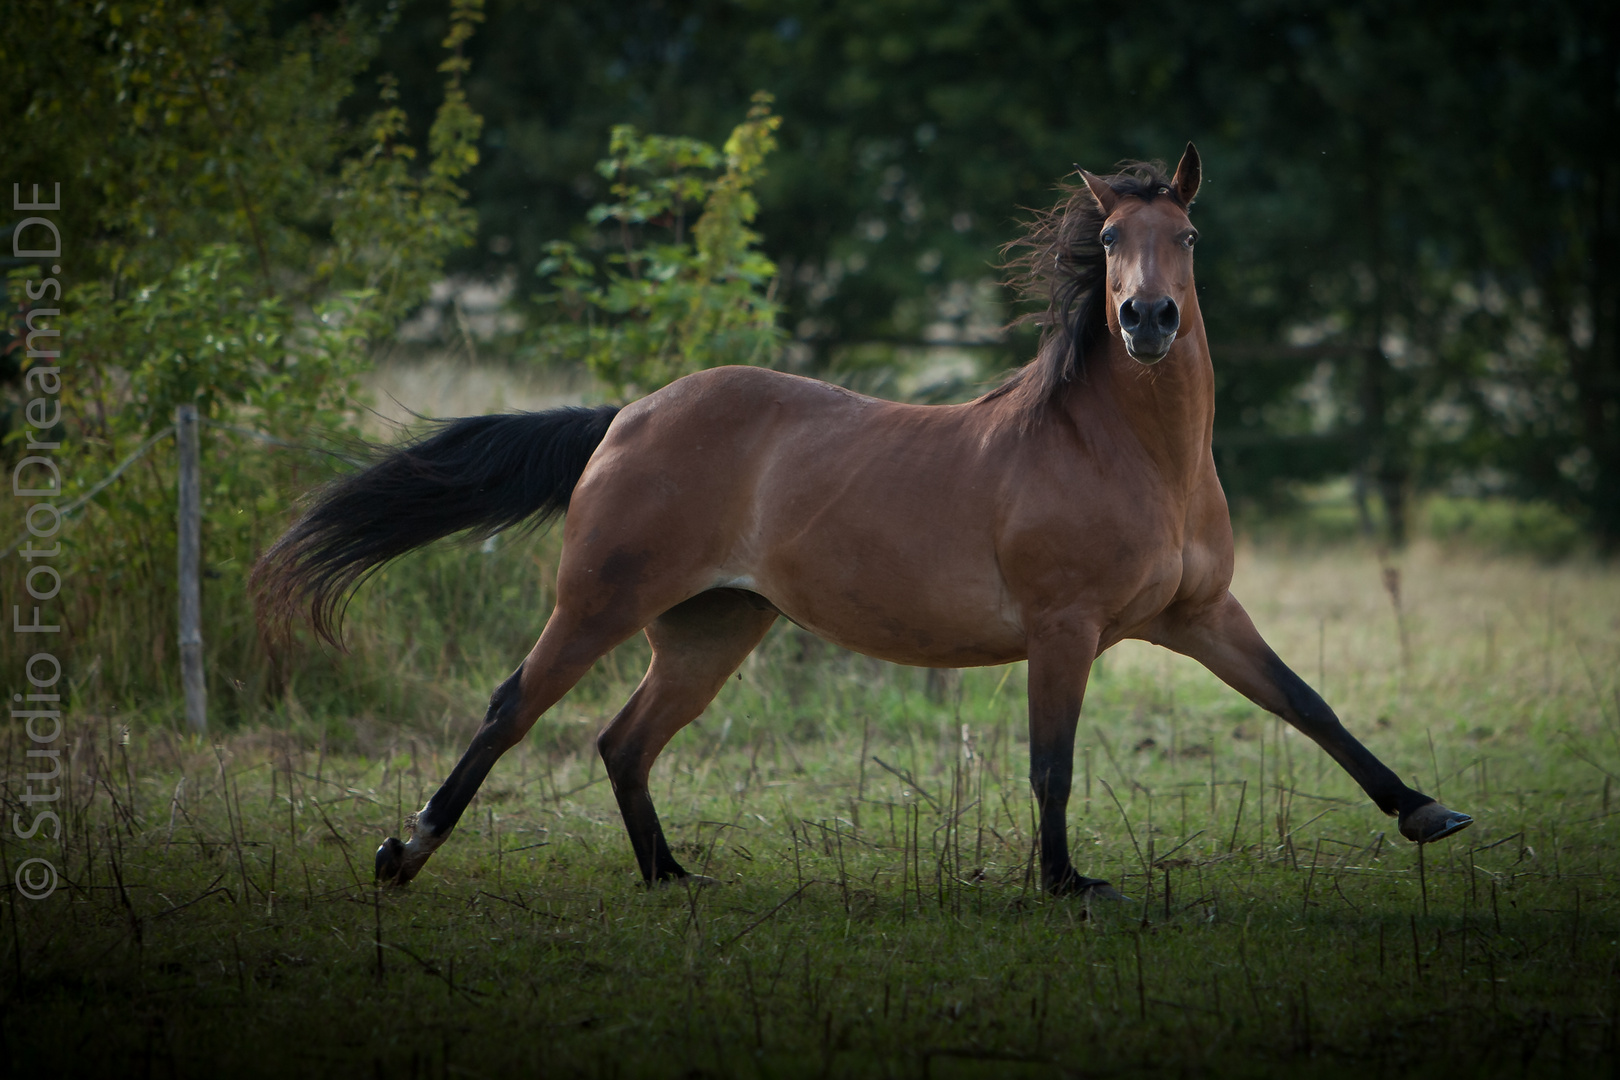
(870, 827)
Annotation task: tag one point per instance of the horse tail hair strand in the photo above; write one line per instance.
(478, 475)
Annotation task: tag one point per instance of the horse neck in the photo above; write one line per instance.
(1169, 408)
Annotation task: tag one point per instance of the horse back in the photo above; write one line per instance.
(920, 534)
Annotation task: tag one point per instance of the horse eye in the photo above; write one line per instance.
(1108, 238)
(1189, 240)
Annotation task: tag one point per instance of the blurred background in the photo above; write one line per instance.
(320, 222)
(1407, 263)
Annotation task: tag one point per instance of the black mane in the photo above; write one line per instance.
(1059, 264)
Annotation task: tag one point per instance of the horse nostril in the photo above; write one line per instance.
(1167, 317)
(1129, 316)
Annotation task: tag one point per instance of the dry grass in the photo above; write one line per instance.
(216, 913)
(441, 384)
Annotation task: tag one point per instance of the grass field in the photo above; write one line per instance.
(871, 830)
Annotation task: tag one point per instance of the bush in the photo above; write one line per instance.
(250, 250)
(669, 299)
(1504, 526)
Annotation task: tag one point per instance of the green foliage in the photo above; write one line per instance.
(204, 334)
(392, 225)
(204, 126)
(670, 303)
(251, 250)
(244, 228)
(1539, 529)
(1444, 263)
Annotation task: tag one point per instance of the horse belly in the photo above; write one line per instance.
(916, 614)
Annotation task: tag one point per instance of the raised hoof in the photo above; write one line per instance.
(1431, 822)
(1101, 890)
(1088, 888)
(391, 862)
(685, 881)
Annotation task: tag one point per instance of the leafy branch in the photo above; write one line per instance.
(669, 302)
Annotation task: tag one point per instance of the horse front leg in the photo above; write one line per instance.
(1223, 639)
(1059, 665)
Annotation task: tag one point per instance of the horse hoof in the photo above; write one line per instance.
(685, 881)
(1089, 888)
(391, 862)
(1101, 890)
(1431, 822)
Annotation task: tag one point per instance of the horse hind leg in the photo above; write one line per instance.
(565, 652)
(696, 647)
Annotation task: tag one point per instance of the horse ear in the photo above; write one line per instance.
(1106, 196)
(1188, 174)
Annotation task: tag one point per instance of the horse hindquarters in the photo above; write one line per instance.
(639, 552)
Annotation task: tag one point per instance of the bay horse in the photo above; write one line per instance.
(1072, 507)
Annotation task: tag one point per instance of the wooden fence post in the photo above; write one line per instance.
(190, 528)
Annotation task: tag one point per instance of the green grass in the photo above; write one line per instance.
(217, 916)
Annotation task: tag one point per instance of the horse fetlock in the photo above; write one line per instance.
(1431, 821)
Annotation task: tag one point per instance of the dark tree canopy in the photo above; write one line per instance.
(1408, 260)
(1410, 211)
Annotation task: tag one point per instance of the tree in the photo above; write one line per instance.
(1369, 273)
(238, 245)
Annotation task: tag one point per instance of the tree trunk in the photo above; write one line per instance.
(1382, 459)
(1597, 372)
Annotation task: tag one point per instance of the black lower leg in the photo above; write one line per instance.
(398, 863)
(1051, 774)
(1315, 718)
(656, 861)
(1422, 819)
(493, 739)
(1051, 786)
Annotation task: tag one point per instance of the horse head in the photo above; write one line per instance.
(1149, 241)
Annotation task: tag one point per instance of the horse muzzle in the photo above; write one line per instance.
(1149, 327)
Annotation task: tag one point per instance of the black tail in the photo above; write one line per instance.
(480, 474)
